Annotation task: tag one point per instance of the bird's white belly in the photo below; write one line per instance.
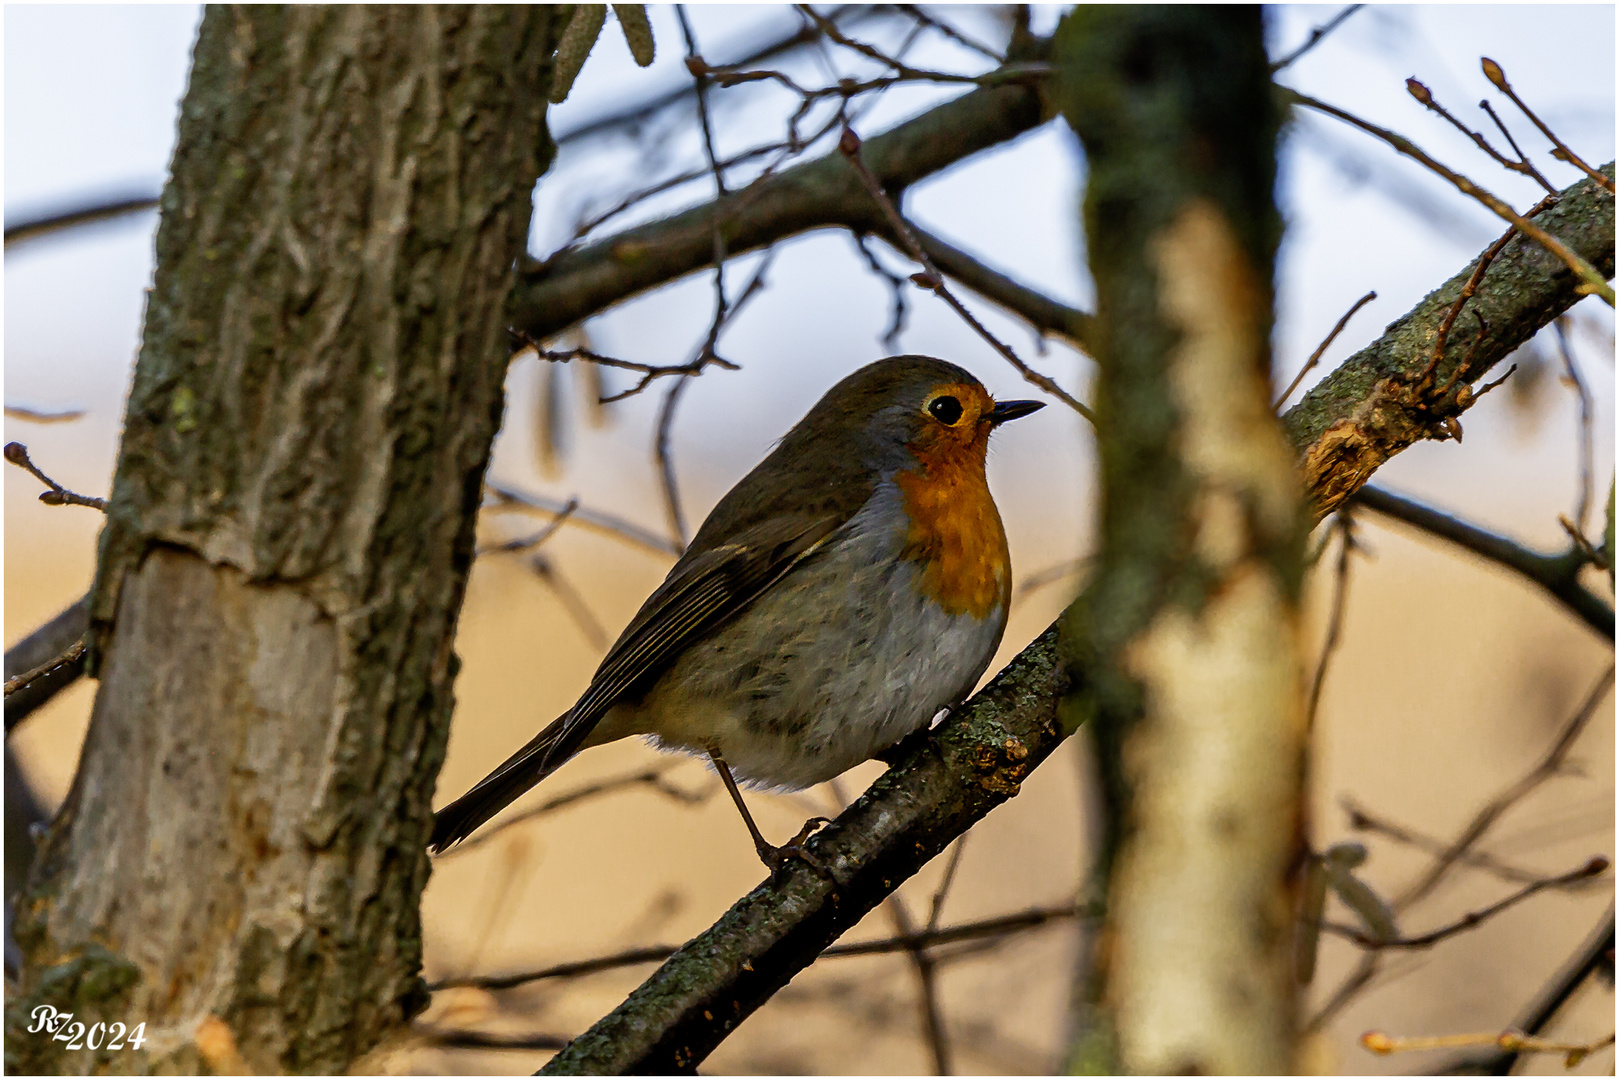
(832, 665)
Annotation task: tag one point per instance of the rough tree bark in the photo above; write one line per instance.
(1187, 633)
(241, 855)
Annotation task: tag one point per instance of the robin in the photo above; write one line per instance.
(842, 593)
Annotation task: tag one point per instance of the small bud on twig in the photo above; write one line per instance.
(1419, 91)
(1493, 72)
(1377, 1042)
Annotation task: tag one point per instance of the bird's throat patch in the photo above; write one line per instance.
(955, 532)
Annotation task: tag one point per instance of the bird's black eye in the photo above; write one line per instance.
(945, 409)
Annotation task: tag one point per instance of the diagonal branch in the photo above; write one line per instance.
(85, 214)
(980, 754)
(1366, 411)
(1595, 952)
(1558, 575)
(52, 640)
(972, 763)
(576, 283)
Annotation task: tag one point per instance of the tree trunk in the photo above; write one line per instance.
(1187, 635)
(239, 862)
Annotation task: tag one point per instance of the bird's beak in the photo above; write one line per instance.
(1011, 410)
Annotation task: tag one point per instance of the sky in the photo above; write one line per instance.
(90, 103)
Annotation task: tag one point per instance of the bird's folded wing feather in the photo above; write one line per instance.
(705, 591)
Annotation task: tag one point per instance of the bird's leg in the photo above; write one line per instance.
(774, 858)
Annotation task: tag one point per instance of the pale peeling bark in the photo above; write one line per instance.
(1198, 962)
(1183, 649)
(240, 861)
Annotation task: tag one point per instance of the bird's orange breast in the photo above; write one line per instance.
(955, 532)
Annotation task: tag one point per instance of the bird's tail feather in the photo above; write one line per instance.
(534, 762)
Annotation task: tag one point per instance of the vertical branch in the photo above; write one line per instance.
(699, 69)
(1582, 509)
(1189, 628)
(666, 462)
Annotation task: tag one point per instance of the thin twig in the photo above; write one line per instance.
(698, 73)
(635, 117)
(1363, 820)
(652, 778)
(1547, 767)
(1050, 575)
(900, 69)
(1315, 357)
(570, 598)
(662, 454)
(924, 19)
(1345, 524)
(1594, 283)
(463, 1039)
(1493, 72)
(1592, 868)
(666, 463)
(1582, 511)
(972, 931)
(942, 893)
(42, 416)
(57, 495)
(1521, 165)
(1513, 1042)
(1594, 953)
(600, 521)
(533, 540)
(1516, 149)
(932, 279)
(46, 645)
(896, 288)
(1481, 822)
(1558, 575)
(73, 655)
(83, 215)
(1442, 337)
(1315, 37)
(933, 1028)
(649, 372)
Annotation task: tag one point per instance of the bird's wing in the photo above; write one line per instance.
(708, 590)
(705, 590)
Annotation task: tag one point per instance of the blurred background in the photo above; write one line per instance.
(1452, 676)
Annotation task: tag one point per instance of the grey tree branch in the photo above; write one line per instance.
(1558, 575)
(576, 283)
(1369, 409)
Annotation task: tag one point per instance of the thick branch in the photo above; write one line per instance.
(1559, 575)
(1372, 406)
(826, 192)
(948, 781)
